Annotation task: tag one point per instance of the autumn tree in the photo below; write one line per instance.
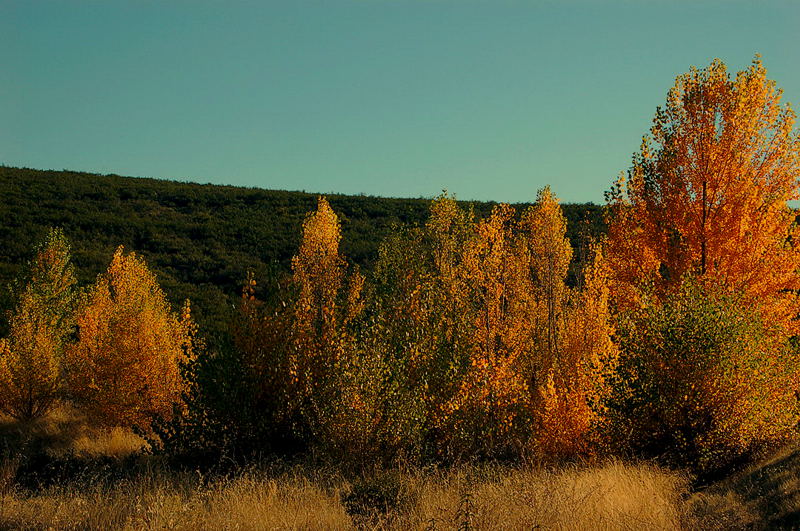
(704, 263)
(571, 351)
(318, 275)
(328, 300)
(505, 356)
(707, 194)
(421, 323)
(571, 410)
(491, 408)
(124, 369)
(40, 327)
(543, 232)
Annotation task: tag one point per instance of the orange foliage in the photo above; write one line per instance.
(125, 367)
(707, 195)
(575, 388)
(572, 349)
(704, 264)
(493, 393)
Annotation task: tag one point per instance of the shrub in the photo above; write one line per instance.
(702, 380)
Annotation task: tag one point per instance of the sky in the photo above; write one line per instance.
(488, 99)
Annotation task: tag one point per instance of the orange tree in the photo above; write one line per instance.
(707, 194)
(706, 201)
(39, 328)
(125, 368)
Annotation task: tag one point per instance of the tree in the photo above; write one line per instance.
(318, 274)
(707, 194)
(543, 231)
(576, 382)
(39, 328)
(125, 368)
(704, 262)
(571, 349)
(322, 361)
(489, 413)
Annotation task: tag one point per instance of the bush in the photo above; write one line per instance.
(702, 380)
(228, 416)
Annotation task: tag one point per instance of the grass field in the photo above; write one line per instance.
(148, 495)
(612, 496)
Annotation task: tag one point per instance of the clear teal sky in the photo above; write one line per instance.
(488, 99)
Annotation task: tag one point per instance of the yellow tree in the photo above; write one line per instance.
(571, 347)
(125, 367)
(318, 273)
(492, 402)
(426, 319)
(544, 233)
(707, 194)
(322, 364)
(39, 327)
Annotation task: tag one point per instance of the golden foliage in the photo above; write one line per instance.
(124, 369)
(318, 273)
(493, 392)
(572, 348)
(30, 357)
(323, 357)
(503, 353)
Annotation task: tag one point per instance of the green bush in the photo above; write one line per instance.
(702, 380)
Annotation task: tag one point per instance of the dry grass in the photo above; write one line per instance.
(114, 442)
(159, 502)
(613, 496)
(65, 431)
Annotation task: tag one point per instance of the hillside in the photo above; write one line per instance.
(199, 239)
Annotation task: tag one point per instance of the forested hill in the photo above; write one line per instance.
(199, 239)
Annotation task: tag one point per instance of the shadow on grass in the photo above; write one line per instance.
(763, 496)
(62, 447)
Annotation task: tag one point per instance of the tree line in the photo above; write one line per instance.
(473, 336)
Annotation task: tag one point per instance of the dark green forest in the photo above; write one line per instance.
(201, 239)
